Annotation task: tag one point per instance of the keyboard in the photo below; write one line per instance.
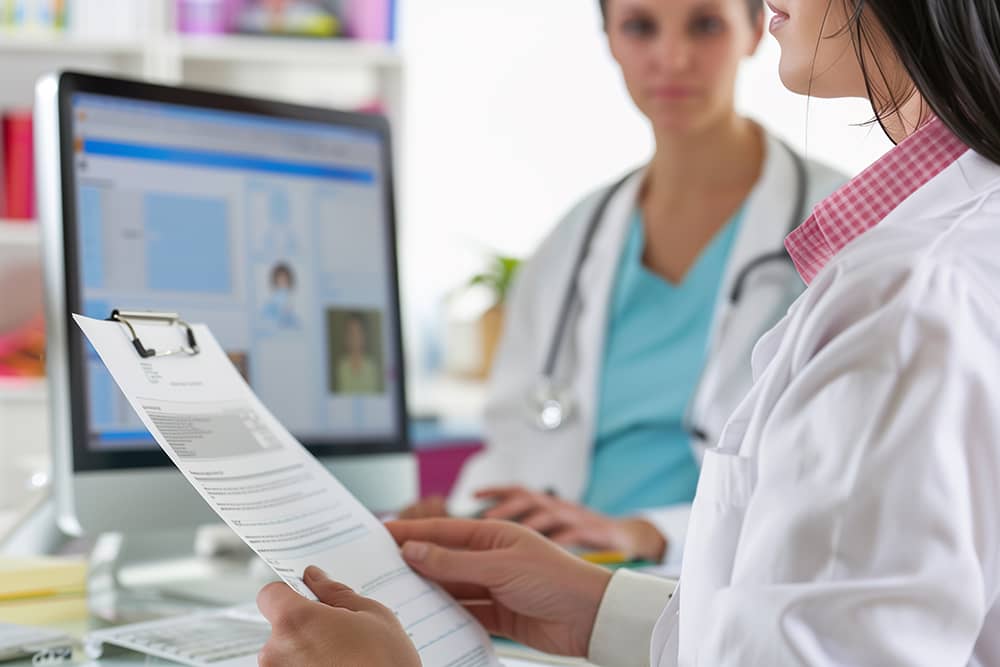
(219, 638)
(17, 641)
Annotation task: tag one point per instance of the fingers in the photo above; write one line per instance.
(448, 565)
(335, 594)
(463, 591)
(492, 492)
(488, 616)
(517, 506)
(428, 508)
(569, 537)
(344, 631)
(543, 522)
(282, 606)
(581, 537)
(412, 512)
(456, 533)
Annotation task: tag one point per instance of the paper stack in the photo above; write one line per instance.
(42, 590)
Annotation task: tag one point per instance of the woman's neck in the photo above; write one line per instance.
(727, 154)
(693, 187)
(909, 118)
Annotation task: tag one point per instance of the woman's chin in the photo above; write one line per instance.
(793, 78)
(678, 121)
(801, 81)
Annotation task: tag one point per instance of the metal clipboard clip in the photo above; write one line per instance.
(126, 317)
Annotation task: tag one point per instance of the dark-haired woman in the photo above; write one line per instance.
(654, 357)
(357, 372)
(850, 514)
(279, 309)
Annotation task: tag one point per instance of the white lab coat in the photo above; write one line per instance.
(851, 513)
(517, 451)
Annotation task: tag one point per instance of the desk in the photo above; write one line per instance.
(143, 661)
(510, 655)
(517, 662)
(136, 660)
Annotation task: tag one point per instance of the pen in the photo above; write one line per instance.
(606, 557)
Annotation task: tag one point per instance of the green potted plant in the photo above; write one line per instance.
(498, 278)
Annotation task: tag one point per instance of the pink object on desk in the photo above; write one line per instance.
(439, 466)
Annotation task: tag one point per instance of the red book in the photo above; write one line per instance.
(18, 166)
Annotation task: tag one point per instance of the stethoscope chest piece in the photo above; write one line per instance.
(551, 408)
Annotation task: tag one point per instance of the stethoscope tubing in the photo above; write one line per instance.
(569, 300)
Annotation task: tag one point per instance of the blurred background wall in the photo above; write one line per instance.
(505, 112)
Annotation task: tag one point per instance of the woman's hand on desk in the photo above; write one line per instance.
(434, 507)
(572, 525)
(342, 628)
(514, 581)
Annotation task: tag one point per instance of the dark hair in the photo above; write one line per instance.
(355, 316)
(951, 51)
(755, 7)
(360, 320)
(282, 269)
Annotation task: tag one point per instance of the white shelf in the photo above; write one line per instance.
(19, 40)
(23, 389)
(18, 233)
(218, 48)
(287, 51)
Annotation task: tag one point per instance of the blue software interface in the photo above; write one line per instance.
(274, 232)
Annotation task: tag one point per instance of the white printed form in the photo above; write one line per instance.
(283, 503)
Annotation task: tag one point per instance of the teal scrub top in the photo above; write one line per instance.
(654, 353)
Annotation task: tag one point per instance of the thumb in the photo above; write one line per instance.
(332, 593)
(451, 566)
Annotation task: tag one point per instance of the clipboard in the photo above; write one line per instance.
(127, 317)
(262, 482)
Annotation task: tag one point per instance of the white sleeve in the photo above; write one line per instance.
(517, 363)
(625, 620)
(871, 537)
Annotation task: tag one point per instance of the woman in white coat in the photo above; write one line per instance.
(849, 515)
(585, 441)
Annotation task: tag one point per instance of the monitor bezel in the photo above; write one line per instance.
(73, 83)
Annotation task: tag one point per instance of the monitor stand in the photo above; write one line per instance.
(34, 531)
(142, 576)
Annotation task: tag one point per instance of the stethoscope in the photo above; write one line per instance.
(552, 404)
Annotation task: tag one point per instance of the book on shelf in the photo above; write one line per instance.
(22, 329)
(110, 19)
(22, 350)
(18, 192)
(45, 14)
(367, 20)
(84, 18)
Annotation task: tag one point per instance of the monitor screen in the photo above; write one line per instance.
(275, 230)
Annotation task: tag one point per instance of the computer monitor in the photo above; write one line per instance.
(271, 223)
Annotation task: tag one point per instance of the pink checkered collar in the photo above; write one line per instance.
(871, 196)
